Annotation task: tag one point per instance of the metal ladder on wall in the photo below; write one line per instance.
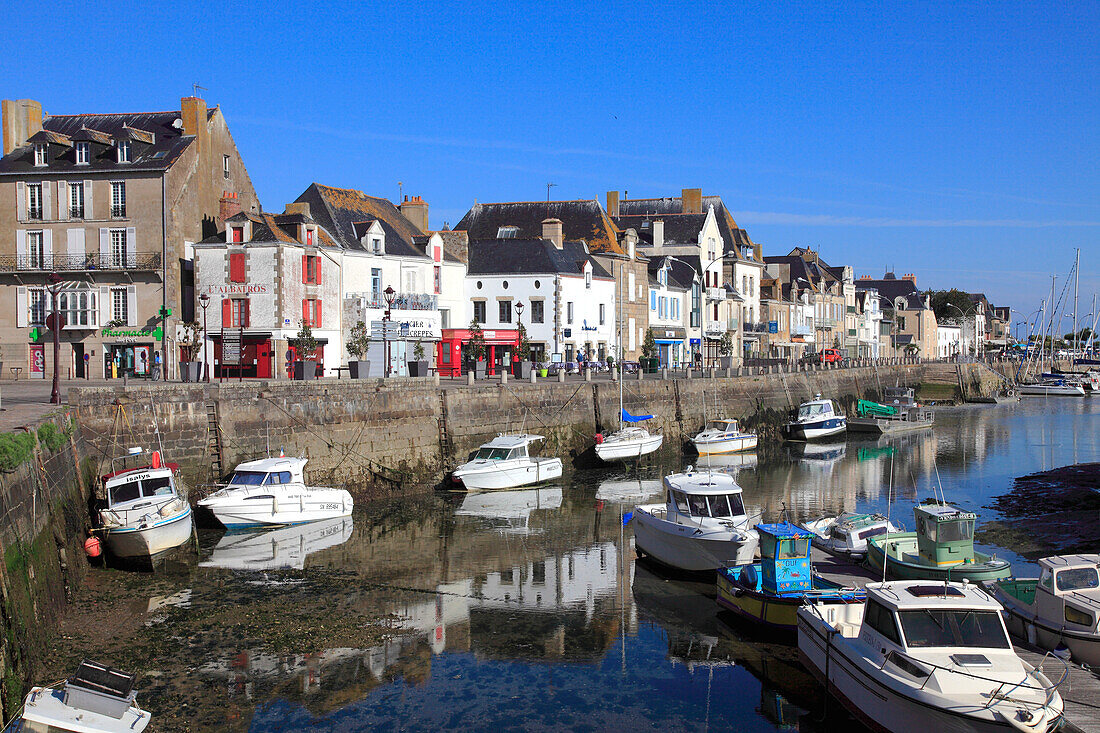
(446, 447)
(214, 442)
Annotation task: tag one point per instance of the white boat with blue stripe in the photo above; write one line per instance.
(273, 492)
(816, 419)
(146, 511)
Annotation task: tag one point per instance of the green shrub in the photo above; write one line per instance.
(51, 437)
(15, 449)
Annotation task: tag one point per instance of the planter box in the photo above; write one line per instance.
(418, 368)
(725, 362)
(359, 369)
(650, 364)
(306, 369)
(521, 369)
(191, 371)
(480, 369)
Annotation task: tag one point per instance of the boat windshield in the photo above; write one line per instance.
(953, 628)
(721, 505)
(248, 478)
(721, 426)
(159, 486)
(813, 410)
(277, 477)
(491, 454)
(872, 532)
(962, 529)
(1078, 579)
(793, 549)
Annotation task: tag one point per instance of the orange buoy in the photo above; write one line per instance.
(156, 459)
(92, 547)
(599, 438)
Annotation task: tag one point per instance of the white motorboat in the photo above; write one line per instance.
(272, 492)
(629, 441)
(922, 656)
(146, 511)
(1051, 388)
(96, 699)
(509, 512)
(701, 526)
(846, 535)
(505, 462)
(279, 548)
(723, 436)
(816, 419)
(1060, 608)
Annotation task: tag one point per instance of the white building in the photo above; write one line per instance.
(868, 323)
(668, 301)
(949, 340)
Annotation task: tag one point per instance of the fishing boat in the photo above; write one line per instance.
(941, 549)
(723, 436)
(920, 657)
(505, 462)
(272, 492)
(898, 412)
(1051, 388)
(146, 511)
(816, 419)
(278, 548)
(770, 592)
(1059, 609)
(701, 526)
(95, 699)
(846, 535)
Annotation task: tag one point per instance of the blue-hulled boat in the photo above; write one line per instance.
(770, 591)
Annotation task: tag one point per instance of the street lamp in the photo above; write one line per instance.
(390, 295)
(54, 323)
(519, 326)
(204, 301)
(702, 276)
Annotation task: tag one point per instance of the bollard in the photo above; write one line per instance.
(640, 371)
(713, 372)
(503, 377)
(435, 379)
(534, 379)
(588, 374)
(729, 372)
(561, 376)
(687, 373)
(664, 373)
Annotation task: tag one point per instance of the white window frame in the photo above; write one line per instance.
(117, 251)
(118, 199)
(35, 207)
(225, 166)
(569, 313)
(76, 200)
(120, 307)
(36, 252)
(41, 154)
(37, 305)
(85, 313)
(83, 153)
(125, 151)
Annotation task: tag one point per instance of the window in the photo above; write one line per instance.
(37, 307)
(34, 200)
(119, 255)
(238, 313)
(309, 237)
(236, 267)
(376, 281)
(41, 151)
(311, 312)
(120, 308)
(225, 166)
(536, 311)
(80, 307)
(236, 235)
(569, 312)
(76, 200)
(36, 255)
(376, 246)
(118, 198)
(479, 311)
(507, 232)
(881, 619)
(311, 269)
(602, 313)
(437, 280)
(935, 627)
(1078, 579)
(653, 300)
(505, 307)
(588, 279)
(696, 300)
(82, 153)
(124, 151)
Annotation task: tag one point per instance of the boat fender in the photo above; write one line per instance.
(748, 576)
(274, 505)
(1061, 651)
(156, 459)
(599, 438)
(92, 547)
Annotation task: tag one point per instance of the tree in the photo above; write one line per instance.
(649, 345)
(305, 343)
(725, 346)
(191, 341)
(359, 340)
(477, 341)
(950, 304)
(523, 350)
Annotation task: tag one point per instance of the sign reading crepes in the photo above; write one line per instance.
(231, 345)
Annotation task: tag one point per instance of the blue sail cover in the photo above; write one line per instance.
(627, 417)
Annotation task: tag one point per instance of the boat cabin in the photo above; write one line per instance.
(785, 558)
(269, 471)
(904, 396)
(505, 448)
(704, 495)
(1069, 590)
(816, 410)
(723, 426)
(945, 535)
(130, 486)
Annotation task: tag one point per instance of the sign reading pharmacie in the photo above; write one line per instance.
(133, 334)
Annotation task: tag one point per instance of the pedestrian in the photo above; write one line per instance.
(156, 364)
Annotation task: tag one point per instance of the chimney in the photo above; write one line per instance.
(193, 116)
(415, 209)
(21, 119)
(691, 200)
(228, 205)
(658, 234)
(910, 277)
(551, 229)
(630, 239)
(297, 207)
(613, 204)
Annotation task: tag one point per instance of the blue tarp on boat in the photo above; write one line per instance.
(627, 417)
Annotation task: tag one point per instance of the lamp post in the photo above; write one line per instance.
(390, 295)
(702, 276)
(519, 328)
(962, 329)
(204, 302)
(55, 328)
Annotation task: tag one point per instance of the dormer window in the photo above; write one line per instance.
(124, 151)
(507, 232)
(82, 154)
(376, 245)
(41, 151)
(588, 278)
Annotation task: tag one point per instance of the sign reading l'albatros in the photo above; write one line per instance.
(236, 289)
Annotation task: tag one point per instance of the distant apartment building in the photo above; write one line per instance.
(908, 313)
(102, 211)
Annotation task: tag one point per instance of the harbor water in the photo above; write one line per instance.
(526, 610)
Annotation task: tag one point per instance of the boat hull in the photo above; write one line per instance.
(305, 505)
(886, 549)
(158, 537)
(686, 548)
(886, 426)
(1051, 390)
(725, 445)
(1023, 622)
(509, 477)
(777, 612)
(622, 450)
(817, 429)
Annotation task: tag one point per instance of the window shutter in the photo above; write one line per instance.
(104, 246)
(236, 267)
(317, 272)
(88, 200)
(317, 313)
(131, 305)
(305, 311)
(74, 247)
(652, 300)
(46, 200)
(131, 247)
(20, 200)
(20, 248)
(246, 315)
(227, 312)
(104, 304)
(62, 200)
(305, 260)
(21, 307)
(47, 249)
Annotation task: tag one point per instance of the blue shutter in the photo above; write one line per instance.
(653, 300)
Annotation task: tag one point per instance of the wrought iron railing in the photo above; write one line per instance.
(78, 263)
(756, 327)
(401, 301)
(802, 330)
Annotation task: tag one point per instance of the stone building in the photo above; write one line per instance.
(906, 311)
(107, 207)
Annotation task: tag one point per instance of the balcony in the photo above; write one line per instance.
(756, 327)
(401, 301)
(826, 323)
(802, 330)
(714, 330)
(89, 262)
(716, 294)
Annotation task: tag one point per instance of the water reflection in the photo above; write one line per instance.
(509, 512)
(276, 549)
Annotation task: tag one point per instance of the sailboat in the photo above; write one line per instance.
(1050, 384)
(630, 440)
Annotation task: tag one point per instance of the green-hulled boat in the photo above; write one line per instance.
(942, 549)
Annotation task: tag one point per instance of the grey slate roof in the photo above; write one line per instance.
(581, 220)
(682, 270)
(339, 210)
(679, 228)
(735, 237)
(891, 288)
(529, 256)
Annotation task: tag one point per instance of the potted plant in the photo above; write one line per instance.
(190, 341)
(418, 367)
(305, 367)
(357, 345)
(649, 360)
(476, 346)
(725, 350)
(522, 369)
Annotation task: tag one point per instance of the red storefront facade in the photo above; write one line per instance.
(453, 350)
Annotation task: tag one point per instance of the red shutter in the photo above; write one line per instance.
(305, 271)
(317, 271)
(236, 267)
(317, 313)
(238, 234)
(227, 313)
(245, 314)
(305, 311)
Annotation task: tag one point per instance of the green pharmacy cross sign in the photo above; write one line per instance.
(135, 334)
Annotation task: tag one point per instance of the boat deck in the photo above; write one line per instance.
(1081, 692)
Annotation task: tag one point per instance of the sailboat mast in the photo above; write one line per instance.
(622, 372)
(1076, 282)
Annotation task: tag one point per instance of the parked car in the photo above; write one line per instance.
(828, 356)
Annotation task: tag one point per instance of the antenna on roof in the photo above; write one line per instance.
(400, 191)
(195, 89)
(548, 187)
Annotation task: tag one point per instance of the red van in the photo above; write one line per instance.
(828, 356)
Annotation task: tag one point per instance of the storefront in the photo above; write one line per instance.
(131, 352)
(670, 345)
(257, 357)
(454, 351)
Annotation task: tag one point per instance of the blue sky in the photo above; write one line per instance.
(956, 141)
